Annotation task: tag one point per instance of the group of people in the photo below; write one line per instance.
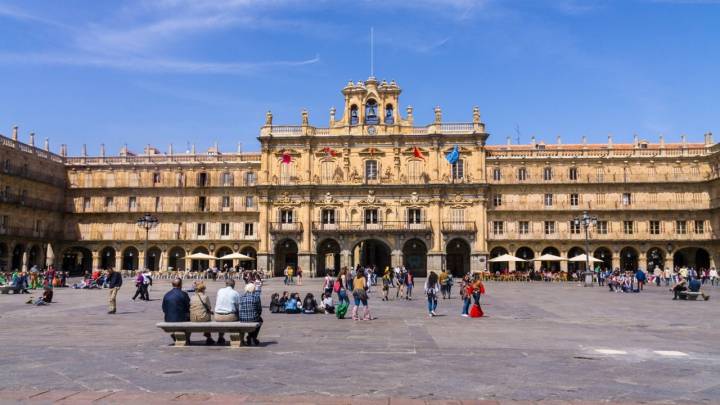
(230, 306)
(21, 282)
(290, 273)
(290, 303)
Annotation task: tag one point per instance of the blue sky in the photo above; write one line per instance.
(181, 71)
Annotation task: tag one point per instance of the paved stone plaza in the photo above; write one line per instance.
(539, 342)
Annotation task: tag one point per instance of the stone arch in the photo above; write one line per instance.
(249, 264)
(34, 256)
(415, 257)
(176, 259)
(629, 259)
(220, 252)
(371, 252)
(457, 257)
(3, 255)
(498, 267)
(575, 267)
(77, 260)
(16, 259)
(551, 266)
(130, 258)
(107, 258)
(286, 254)
(152, 258)
(655, 257)
(527, 254)
(328, 257)
(199, 265)
(695, 257)
(605, 254)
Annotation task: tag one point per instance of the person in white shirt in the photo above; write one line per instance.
(227, 305)
(713, 276)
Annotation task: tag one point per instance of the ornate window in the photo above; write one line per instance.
(327, 216)
(458, 170)
(547, 173)
(574, 199)
(203, 179)
(286, 216)
(371, 216)
(573, 173)
(498, 227)
(327, 170)
(371, 170)
(389, 118)
(549, 227)
(414, 215)
(250, 178)
(522, 174)
(654, 227)
(548, 200)
(497, 174)
(227, 179)
(287, 173)
(354, 120)
(415, 171)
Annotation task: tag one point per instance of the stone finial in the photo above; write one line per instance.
(683, 139)
(709, 138)
(15, 133)
(32, 138)
(438, 114)
(47, 145)
(610, 140)
(102, 150)
(170, 149)
(532, 141)
(662, 141)
(192, 149)
(508, 140)
(332, 114)
(636, 140)
(305, 120)
(268, 118)
(559, 140)
(476, 115)
(63, 150)
(239, 150)
(584, 140)
(409, 111)
(84, 150)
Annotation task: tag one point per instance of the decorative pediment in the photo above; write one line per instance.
(458, 200)
(328, 153)
(410, 151)
(292, 152)
(328, 201)
(414, 200)
(286, 200)
(371, 152)
(371, 199)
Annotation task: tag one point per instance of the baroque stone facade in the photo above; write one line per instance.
(370, 188)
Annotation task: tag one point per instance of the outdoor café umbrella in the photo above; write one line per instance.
(506, 258)
(201, 256)
(583, 258)
(239, 256)
(547, 257)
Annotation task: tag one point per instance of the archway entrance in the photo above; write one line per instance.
(249, 264)
(655, 259)
(200, 265)
(371, 252)
(107, 258)
(697, 258)
(152, 258)
(605, 255)
(176, 259)
(457, 257)
(414, 257)
(130, 258)
(628, 259)
(525, 253)
(575, 267)
(286, 254)
(34, 257)
(498, 267)
(328, 257)
(224, 264)
(77, 260)
(552, 266)
(3, 257)
(17, 257)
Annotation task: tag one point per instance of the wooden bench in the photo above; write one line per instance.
(182, 330)
(691, 296)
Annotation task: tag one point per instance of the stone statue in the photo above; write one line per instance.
(328, 198)
(268, 118)
(388, 175)
(438, 115)
(354, 176)
(304, 118)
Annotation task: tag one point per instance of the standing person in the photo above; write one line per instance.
(226, 306)
(250, 310)
(409, 284)
(449, 285)
(657, 274)
(340, 287)
(201, 309)
(299, 275)
(114, 282)
(34, 277)
(386, 281)
(139, 284)
(640, 277)
(466, 291)
(360, 296)
(328, 284)
(401, 283)
(713, 276)
(443, 279)
(432, 286)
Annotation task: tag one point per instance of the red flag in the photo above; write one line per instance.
(286, 158)
(329, 151)
(417, 153)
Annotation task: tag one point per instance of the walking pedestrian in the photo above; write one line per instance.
(432, 286)
(409, 284)
(467, 293)
(139, 285)
(360, 296)
(340, 287)
(299, 275)
(386, 281)
(443, 278)
(114, 282)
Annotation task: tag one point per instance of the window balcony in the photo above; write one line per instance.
(286, 227)
(380, 226)
(459, 227)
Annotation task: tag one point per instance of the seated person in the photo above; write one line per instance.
(680, 286)
(694, 286)
(327, 304)
(250, 310)
(293, 305)
(176, 303)
(309, 305)
(226, 306)
(283, 300)
(275, 303)
(201, 309)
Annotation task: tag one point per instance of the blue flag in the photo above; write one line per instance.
(453, 156)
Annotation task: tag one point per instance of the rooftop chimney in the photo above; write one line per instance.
(610, 141)
(47, 145)
(584, 140)
(84, 150)
(683, 139)
(32, 138)
(170, 150)
(662, 141)
(532, 141)
(709, 140)
(63, 150)
(509, 140)
(559, 140)
(636, 140)
(102, 150)
(15, 133)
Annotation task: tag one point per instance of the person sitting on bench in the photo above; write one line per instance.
(226, 306)
(679, 288)
(694, 287)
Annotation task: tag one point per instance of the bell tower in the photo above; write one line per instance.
(370, 103)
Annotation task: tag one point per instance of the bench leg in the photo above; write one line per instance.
(180, 339)
(237, 339)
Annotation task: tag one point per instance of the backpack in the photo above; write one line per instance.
(337, 286)
(476, 311)
(341, 310)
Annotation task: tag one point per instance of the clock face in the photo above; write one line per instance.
(372, 130)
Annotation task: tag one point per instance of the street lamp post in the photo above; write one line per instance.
(147, 222)
(587, 220)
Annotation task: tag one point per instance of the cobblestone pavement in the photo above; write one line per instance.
(539, 342)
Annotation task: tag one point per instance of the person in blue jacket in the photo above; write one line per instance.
(176, 303)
